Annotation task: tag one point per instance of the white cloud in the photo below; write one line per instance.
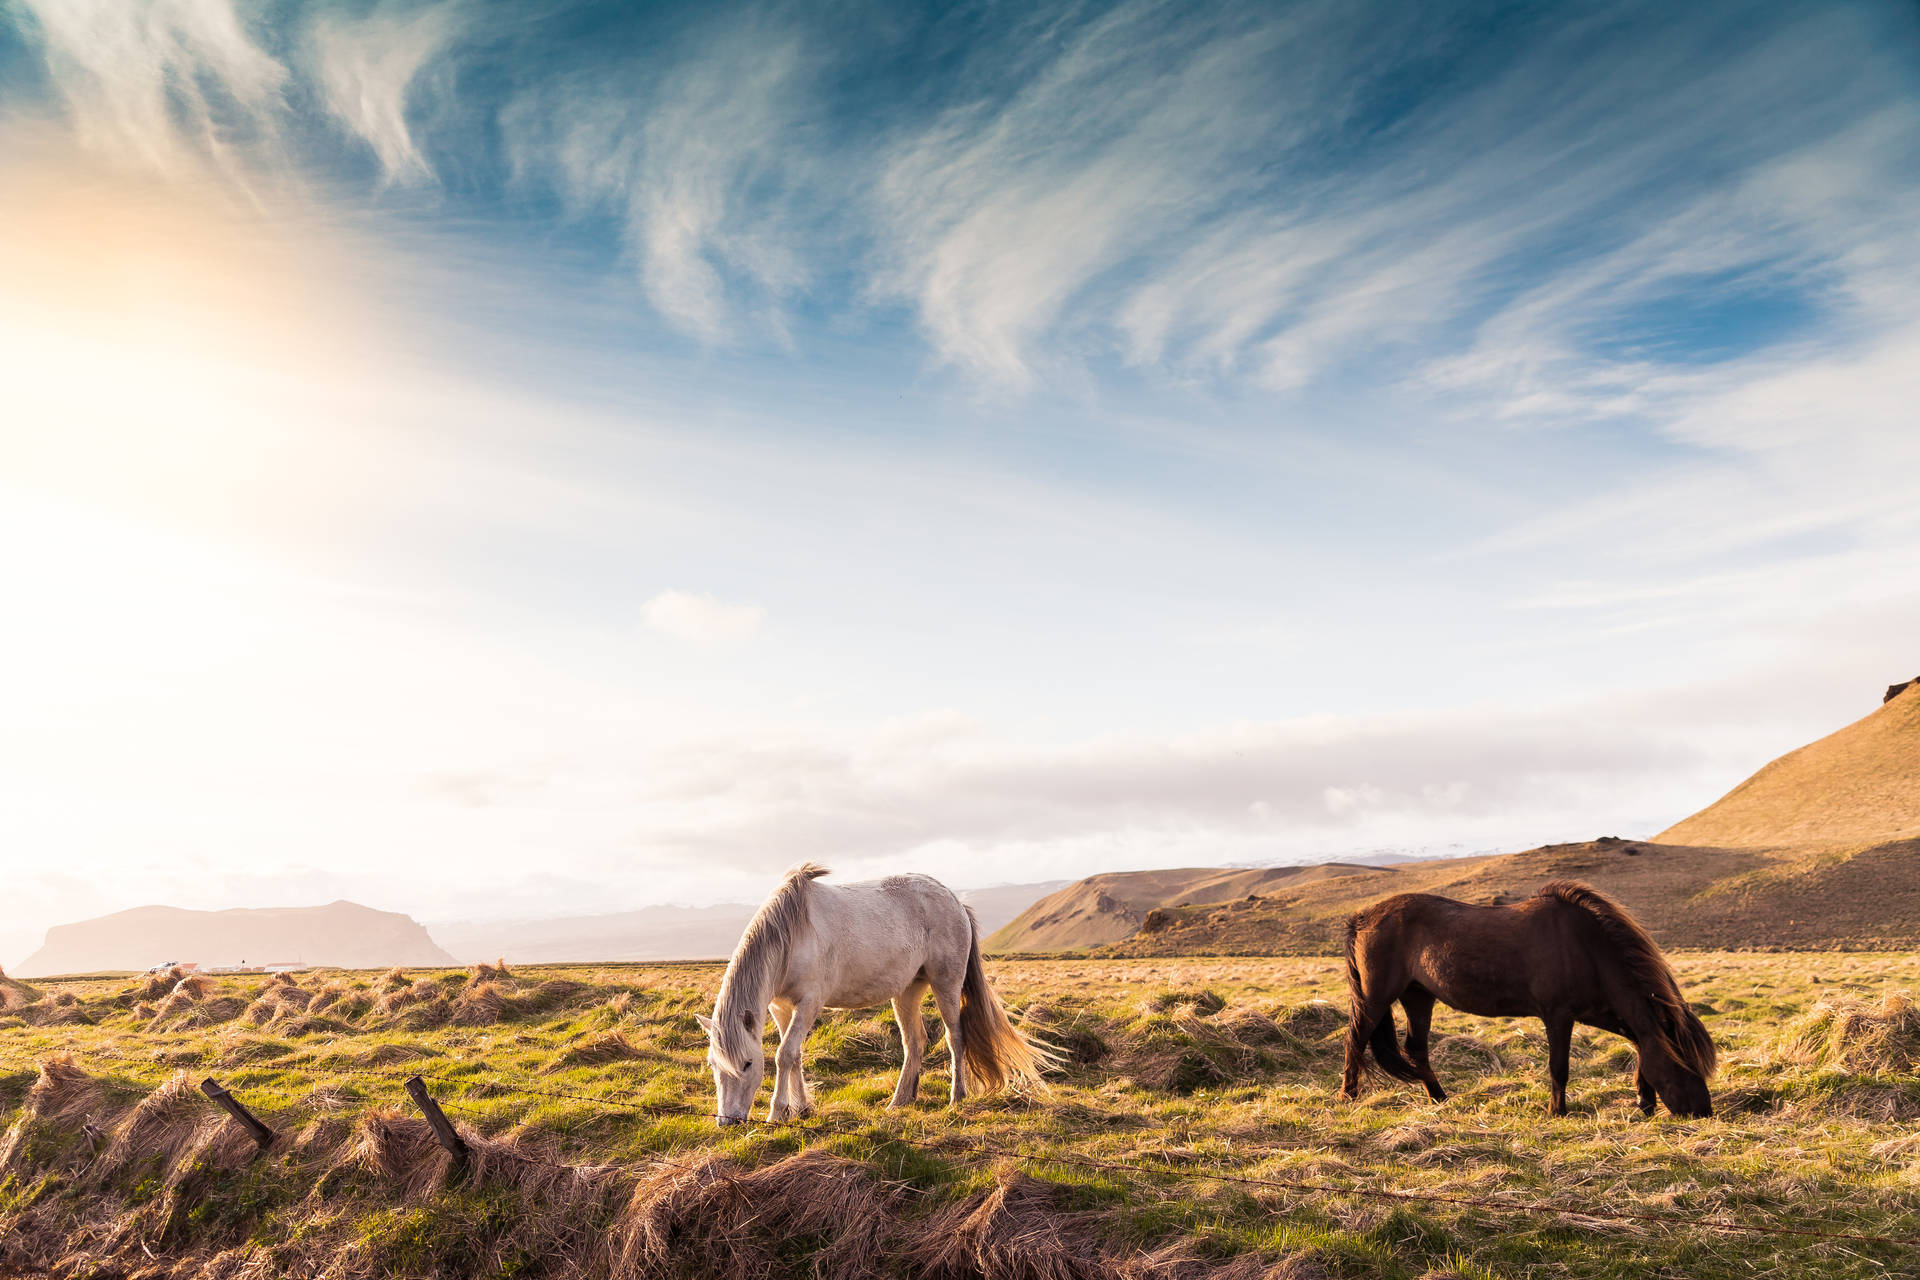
(163, 84)
(701, 161)
(367, 68)
(701, 619)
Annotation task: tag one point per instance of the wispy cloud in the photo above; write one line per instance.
(699, 160)
(166, 84)
(367, 67)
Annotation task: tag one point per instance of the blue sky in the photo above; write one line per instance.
(621, 450)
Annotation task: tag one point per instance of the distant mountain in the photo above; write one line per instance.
(1860, 785)
(663, 933)
(342, 934)
(1112, 905)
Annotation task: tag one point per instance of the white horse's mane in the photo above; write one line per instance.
(742, 1007)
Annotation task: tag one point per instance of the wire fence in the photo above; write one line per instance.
(976, 1150)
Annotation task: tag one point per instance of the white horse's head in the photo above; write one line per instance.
(739, 1064)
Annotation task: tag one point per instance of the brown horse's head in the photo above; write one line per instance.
(1682, 1088)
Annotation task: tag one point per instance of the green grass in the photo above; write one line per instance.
(1182, 1069)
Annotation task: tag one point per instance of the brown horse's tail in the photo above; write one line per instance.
(996, 1052)
(1682, 1034)
(1385, 1043)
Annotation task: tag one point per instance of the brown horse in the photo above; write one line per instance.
(1568, 954)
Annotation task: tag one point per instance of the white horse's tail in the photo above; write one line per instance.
(997, 1053)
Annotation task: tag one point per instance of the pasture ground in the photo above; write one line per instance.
(112, 1163)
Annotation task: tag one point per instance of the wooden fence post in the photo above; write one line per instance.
(442, 1128)
(231, 1105)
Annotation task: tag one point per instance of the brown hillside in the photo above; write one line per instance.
(1687, 897)
(1860, 786)
(1111, 906)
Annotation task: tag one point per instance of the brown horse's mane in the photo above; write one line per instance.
(738, 1011)
(1681, 1032)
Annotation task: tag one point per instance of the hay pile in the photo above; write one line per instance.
(187, 1005)
(62, 1008)
(158, 985)
(479, 1004)
(1177, 1048)
(608, 1046)
(1842, 1033)
(15, 995)
(419, 1006)
(279, 1001)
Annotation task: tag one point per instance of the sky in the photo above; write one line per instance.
(498, 460)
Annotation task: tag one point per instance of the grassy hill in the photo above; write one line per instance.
(1858, 786)
(1111, 906)
(1686, 896)
(1193, 1134)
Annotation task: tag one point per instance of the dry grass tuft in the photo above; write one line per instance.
(711, 1217)
(278, 1002)
(1203, 1002)
(64, 1094)
(157, 985)
(194, 986)
(340, 999)
(1182, 1261)
(15, 995)
(419, 1005)
(158, 1127)
(390, 1053)
(1017, 1230)
(495, 972)
(393, 1145)
(1843, 1033)
(550, 995)
(609, 1046)
(479, 1004)
(185, 1010)
(1313, 1019)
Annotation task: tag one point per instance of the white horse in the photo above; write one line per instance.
(820, 946)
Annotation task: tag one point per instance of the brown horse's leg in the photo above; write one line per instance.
(1418, 1002)
(1559, 1047)
(1649, 1100)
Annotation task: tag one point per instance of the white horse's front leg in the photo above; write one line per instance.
(789, 1084)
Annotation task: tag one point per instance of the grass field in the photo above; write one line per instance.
(113, 1164)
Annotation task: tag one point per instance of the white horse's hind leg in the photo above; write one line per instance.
(789, 1084)
(913, 1042)
(946, 996)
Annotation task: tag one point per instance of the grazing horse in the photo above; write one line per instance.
(1568, 954)
(816, 946)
